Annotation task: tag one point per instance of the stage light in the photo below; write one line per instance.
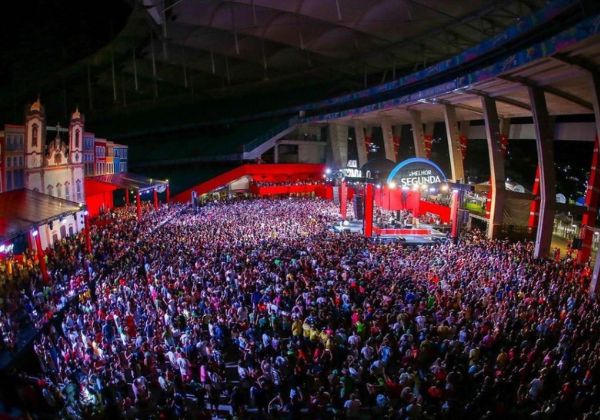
(392, 184)
(328, 171)
(34, 233)
(444, 187)
(378, 185)
(85, 213)
(432, 189)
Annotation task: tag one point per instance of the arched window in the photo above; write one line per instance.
(50, 190)
(34, 135)
(78, 189)
(59, 190)
(68, 191)
(77, 139)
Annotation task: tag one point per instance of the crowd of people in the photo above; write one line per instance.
(254, 308)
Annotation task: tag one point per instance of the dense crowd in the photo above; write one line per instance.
(255, 308)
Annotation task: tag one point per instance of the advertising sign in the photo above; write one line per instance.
(416, 171)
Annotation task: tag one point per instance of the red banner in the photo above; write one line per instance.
(504, 144)
(591, 202)
(428, 140)
(368, 143)
(464, 142)
(396, 140)
(534, 207)
(343, 200)
(368, 213)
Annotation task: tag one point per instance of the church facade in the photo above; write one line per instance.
(55, 167)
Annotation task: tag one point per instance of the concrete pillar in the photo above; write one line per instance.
(276, 153)
(545, 153)
(338, 142)
(496, 157)
(418, 133)
(361, 147)
(453, 134)
(388, 139)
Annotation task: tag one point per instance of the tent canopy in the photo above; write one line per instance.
(21, 210)
(130, 181)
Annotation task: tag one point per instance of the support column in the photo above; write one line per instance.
(88, 239)
(418, 134)
(41, 256)
(138, 204)
(361, 147)
(155, 199)
(545, 153)
(276, 153)
(496, 157)
(368, 213)
(343, 200)
(453, 134)
(388, 139)
(338, 140)
(168, 194)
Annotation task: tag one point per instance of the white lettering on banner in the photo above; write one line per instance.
(420, 172)
(352, 163)
(416, 180)
(352, 173)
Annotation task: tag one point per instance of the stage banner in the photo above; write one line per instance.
(368, 215)
(343, 200)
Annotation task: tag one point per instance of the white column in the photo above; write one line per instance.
(496, 157)
(453, 134)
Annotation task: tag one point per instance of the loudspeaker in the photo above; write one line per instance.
(358, 204)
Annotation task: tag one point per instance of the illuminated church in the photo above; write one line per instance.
(54, 168)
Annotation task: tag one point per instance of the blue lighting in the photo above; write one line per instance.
(402, 164)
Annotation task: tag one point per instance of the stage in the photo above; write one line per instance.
(423, 235)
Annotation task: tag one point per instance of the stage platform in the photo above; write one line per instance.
(423, 235)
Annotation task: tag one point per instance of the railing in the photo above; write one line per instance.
(257, 141)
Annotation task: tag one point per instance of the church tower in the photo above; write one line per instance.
(76, 138)
(35, 135)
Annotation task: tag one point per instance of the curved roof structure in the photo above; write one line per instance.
(235, 42)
